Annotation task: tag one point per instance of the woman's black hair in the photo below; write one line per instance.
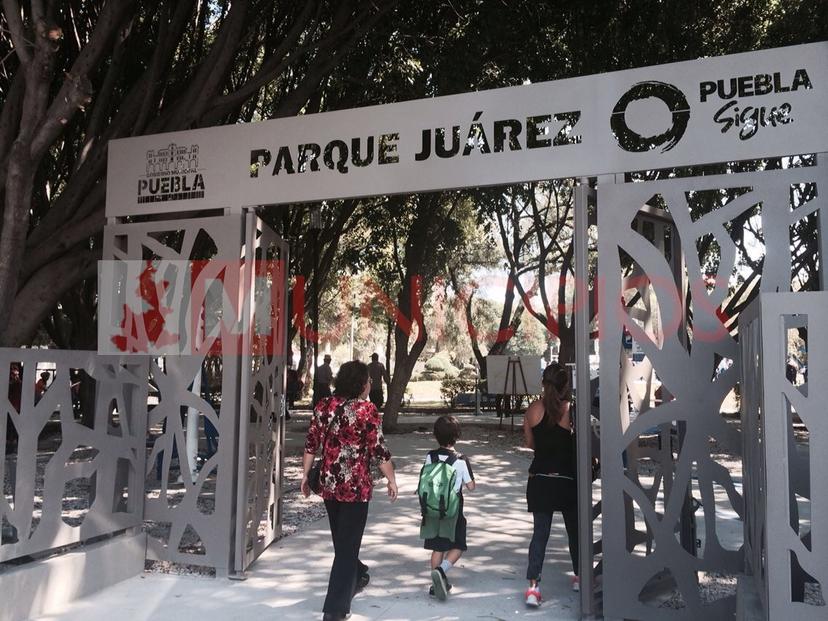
(350, 379)
(557, 390)
(447, 430)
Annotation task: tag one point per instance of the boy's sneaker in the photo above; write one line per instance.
(431, 590)
(533, 597)
(439, 583)
(576, 583)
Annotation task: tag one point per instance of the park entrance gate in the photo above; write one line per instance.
(600, 130)
(206, 297)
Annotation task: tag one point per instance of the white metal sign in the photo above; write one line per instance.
(744, 106)
(514, 375)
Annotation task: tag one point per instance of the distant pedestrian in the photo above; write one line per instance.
(547, 429)
(347, 430)
(41, 385)
(442, 479)
(378, 374)
(322, 381)
(15, 394)
(293, 389)
(790, 371)
(15, 387)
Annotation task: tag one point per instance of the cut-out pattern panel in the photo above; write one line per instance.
(261, 434)
(656, 437)
(220, 392)
(786, 428)
(189, 506)
(66, 477)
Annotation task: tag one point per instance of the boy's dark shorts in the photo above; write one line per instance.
(441, 544)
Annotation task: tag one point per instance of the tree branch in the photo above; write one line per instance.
(66, 238)
(36, 299)
(18, 32)
(76, 90)
(168, 38)
(10, 120)
(330, 54)
(286, 54)
(214, 70)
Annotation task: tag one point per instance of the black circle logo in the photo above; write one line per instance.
(675, 101)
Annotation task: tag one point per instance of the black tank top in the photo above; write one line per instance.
(554, 449)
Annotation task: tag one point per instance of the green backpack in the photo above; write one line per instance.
(438, 497)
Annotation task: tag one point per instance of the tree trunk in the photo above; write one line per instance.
(566, 352)
(412, 296)
(13, 235)
(403, 367)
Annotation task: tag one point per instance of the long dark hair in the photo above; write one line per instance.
(557, 390)
(350, 379)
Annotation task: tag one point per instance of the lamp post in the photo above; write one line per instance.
(315, 227)
(353, 322)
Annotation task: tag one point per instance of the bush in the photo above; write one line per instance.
(451, 387)
(439, 363)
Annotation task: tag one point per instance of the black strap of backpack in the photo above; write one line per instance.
(434, 456)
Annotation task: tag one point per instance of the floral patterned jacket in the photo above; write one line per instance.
(353, 441)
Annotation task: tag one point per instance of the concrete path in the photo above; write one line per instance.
(289, 580)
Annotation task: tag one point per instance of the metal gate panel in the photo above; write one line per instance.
(683, 349)
(262, 420)
(189, 517)
(786, 443)
(90, 483)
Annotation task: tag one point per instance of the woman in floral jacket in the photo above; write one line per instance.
(348, 430)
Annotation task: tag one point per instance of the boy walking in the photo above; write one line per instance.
(442, 478)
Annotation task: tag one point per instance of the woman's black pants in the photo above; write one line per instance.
(347, 520)
(540, 537)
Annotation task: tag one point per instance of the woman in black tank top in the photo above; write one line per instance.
(548, 431)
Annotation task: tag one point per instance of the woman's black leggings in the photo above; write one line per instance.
(540, 537)
(347, 520)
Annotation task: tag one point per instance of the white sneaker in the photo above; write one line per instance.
(576, 583)
(533, 597)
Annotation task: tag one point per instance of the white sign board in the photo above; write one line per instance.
(744, 106)
(514, 375)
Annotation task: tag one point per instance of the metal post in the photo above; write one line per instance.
(315, 226)
(477, 391)
(582, 405)
(353, 321)
(241, 456)
(822, 231)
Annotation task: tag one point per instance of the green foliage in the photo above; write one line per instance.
(167, 65)
(450, 388)
(439, 362)
(530, 340)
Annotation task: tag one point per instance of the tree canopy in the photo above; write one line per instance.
(75, 75)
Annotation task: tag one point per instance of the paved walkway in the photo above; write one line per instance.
(288, 582)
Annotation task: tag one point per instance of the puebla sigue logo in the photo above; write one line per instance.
(172, 174)
(630, 140)
(746, 120)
